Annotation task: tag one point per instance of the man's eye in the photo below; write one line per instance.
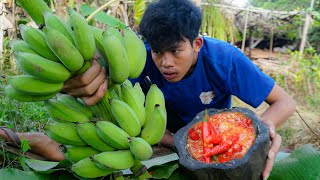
(175, 51)
(156, 52)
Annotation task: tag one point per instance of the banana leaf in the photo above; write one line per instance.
(102, 17)
(139, 8)
(47, 167)
(16, 174)
(303, 163)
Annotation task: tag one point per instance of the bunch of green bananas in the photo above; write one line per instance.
(99, 148)
(60, 50)
(117, 133)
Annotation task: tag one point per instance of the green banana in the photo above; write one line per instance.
(37, 41)
(29, 85)
(125, 117)
(75, 154)
(117, 89)
(86, 168)
(41, 68)
(140, 148)
(35, 9)
(60, 111)
(136, 52)
(55, 22)
(117, 58)
(86, 65)
(133, 100)
(88, 132)
(97, 33)
(75, 104)
(115, 32)
(64, 49)
(128, 83)
(113, 94)
(155, 128)
(154, 96)
(13, 94)
(64, 133)
(121, 159)
(112, 135)
(138, 90)
(21, 46)
(81, 33)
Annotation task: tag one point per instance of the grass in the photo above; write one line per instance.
(21, 116)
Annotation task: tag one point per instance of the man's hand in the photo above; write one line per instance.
(167, 139)
(273, 151)
(90, 86)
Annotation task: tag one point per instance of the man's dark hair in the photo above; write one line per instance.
(166, 22)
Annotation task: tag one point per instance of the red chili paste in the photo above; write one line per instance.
(221, 137)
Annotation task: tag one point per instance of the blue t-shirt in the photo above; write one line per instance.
(221, 71)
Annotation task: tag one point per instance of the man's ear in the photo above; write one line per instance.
(197, 44)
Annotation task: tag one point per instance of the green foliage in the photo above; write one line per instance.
(139, 8)
(305, 77)
(23, 116)
(284, 5)
(215, 24)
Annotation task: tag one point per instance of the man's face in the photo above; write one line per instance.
(178, 62)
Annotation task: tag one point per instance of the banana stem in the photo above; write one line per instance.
(137, 168)
(100, 9)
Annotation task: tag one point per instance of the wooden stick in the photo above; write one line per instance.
(100, 9)
(305, 30)
(245, 31)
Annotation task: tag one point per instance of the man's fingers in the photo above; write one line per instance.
(90, 89)
(274, 149)
(91, 100)
(83, 79)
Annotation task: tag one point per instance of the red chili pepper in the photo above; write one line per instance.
(205, 133)
(223, 146)
(212, 131)
(193, 134)
(248, 122)
(214, 139)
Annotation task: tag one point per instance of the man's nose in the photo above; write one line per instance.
(167, 60)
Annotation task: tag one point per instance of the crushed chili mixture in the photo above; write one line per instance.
(221, 137)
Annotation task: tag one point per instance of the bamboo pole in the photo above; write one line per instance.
(305, 30)
(245, 31)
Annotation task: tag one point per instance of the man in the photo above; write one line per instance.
(194, 73)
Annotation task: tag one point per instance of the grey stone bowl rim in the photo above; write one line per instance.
(261, 129)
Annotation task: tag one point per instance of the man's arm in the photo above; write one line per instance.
(281, 108)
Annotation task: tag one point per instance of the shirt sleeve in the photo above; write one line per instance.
(247, 81)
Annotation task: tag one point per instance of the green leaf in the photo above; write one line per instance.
(23, 163)
(41, 166)
(16, 174)
(102, 17)
(163, 171)
(24, 145)
(139, 8)
(303, 163)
